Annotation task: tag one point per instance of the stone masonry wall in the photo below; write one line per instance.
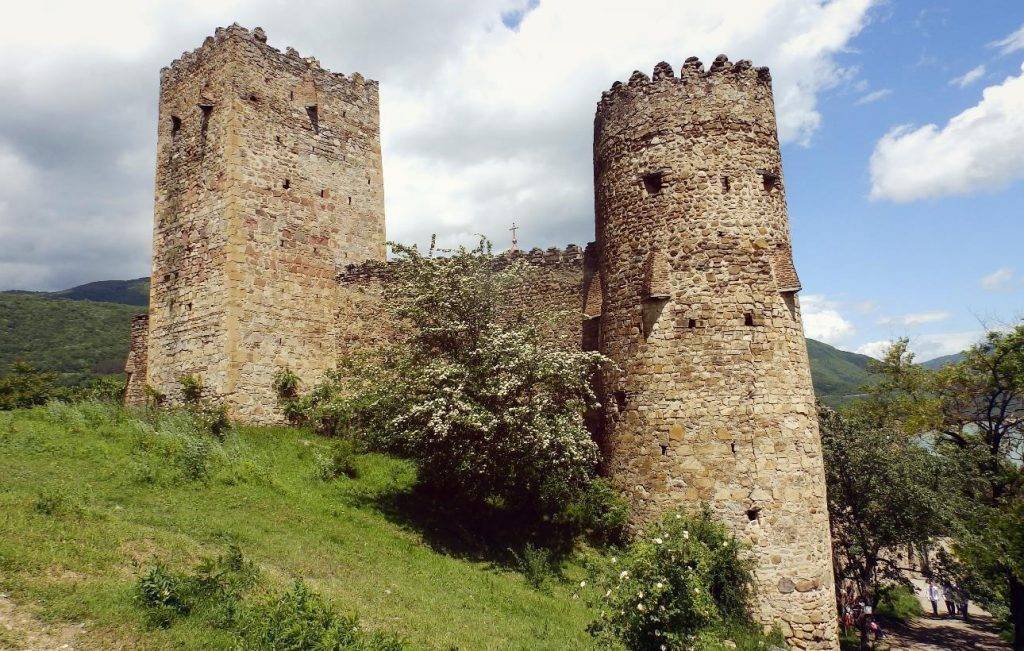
(712, 400)
(269, 182)
(135, 365)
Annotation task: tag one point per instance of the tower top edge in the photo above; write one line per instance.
(257, 37)
(692, 75)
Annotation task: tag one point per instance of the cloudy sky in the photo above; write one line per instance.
(902, 124)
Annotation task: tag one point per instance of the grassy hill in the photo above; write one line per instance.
(84, 330)
(75, 338)
(945, 360)
(837, 374)
(127, 292)
(91, 496)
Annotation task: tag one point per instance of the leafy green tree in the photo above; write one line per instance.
(885, 493)
(24, 386)
(980, 427)
(491, 411)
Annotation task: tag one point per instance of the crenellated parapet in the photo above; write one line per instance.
(256, 39)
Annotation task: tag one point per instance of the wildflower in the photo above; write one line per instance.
(608, 594)
(615, 559)
(623, 574)
(640, 607)
(678, 517)
(663, 647)
(583, 584)
(686, 535)
(659, 585)
(657, 541)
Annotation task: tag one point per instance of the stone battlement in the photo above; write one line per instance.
(692, 75)
(572, 256)
(189, 61)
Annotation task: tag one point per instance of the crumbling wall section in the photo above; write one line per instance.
(136, 364)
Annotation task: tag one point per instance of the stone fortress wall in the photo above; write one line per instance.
(269, 252)
(711, 398)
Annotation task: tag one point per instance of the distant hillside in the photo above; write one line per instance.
(75, 338)
(837, 374)
(84, 330)
(945, 360)
(126, 292)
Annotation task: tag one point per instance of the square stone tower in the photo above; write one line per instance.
(268, 183)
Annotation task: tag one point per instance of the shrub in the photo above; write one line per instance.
(600, 512)
(216, 585)
(25, 386)
(898, 602)
(286, 387)
(337, 461)
(56, 501)
(164, 594)
(302, 619)
(537, 564)
(683, 579)
(105, 388)
(191, 389)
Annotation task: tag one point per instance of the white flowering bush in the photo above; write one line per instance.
(683, 583)
(491, 411)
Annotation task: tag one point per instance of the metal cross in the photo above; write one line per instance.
(515, 241)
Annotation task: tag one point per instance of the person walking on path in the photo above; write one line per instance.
(934, 594)
(950, 597)
(962, 602)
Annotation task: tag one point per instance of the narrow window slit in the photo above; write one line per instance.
(325, 194)
(653, 182)
(350, 201)
(748, 319)
(287, 183)
(692, 323)
(175, 126)
(754, 513)
(725, 184)
(664, 450)
(314, 118)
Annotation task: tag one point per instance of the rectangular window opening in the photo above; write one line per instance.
(725, 184)
(350, 201)
(748, 319)
(653, 182)
(770, 181)
(691, 324)
(175, 126)
(287, 183)
(664, 450)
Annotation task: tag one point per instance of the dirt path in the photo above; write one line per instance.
(21, 630)
(930, 633)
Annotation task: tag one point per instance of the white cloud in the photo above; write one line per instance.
(914, 319)
(1000, 280)
(822, 320)
(873, 96)
(969, 77)
(926, 347)
(481, 124)
(874, 349)
(1011, 43)
(982, 148)
(866, 307)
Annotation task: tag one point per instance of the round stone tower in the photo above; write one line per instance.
(711, 399)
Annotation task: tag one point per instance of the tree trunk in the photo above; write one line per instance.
(1017, 612)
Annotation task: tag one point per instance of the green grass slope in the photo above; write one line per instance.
(938, 362)
(90, 496)
(76, 339)
(837, 374)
